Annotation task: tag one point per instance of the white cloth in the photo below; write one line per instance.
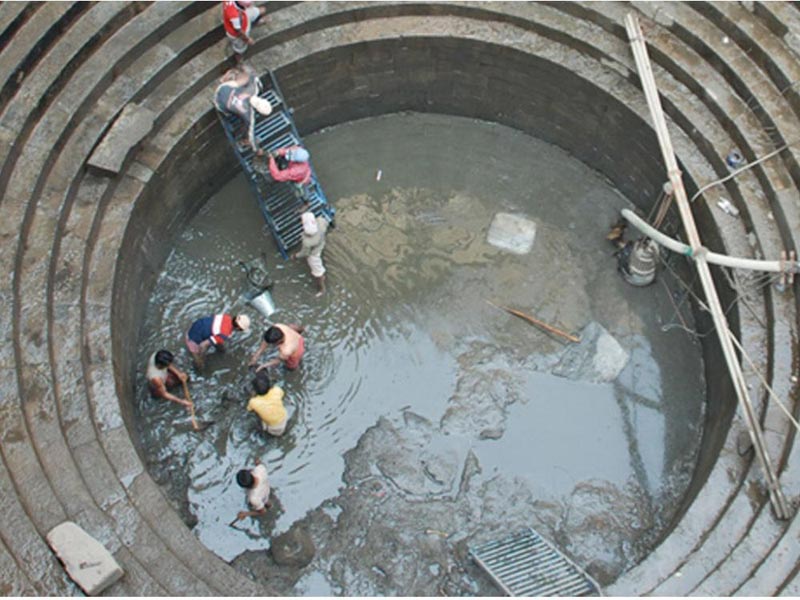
(258, 496)
(153, 372)
(316, 266)
(310, 226)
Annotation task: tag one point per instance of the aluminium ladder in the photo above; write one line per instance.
(279, 201)
(526, 564)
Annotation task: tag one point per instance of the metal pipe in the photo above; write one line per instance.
(773, 266)
(721, 323)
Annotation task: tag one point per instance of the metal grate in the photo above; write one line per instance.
(279, 202)
(526, 564)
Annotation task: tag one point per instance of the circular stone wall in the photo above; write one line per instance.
(82, 248)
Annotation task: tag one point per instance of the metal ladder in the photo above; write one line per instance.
(526, 564)
(279, 201)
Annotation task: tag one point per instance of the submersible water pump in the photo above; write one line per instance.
(636, 262)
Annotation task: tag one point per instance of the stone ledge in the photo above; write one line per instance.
(132, 125)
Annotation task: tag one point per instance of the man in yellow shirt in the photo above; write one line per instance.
(268, 405)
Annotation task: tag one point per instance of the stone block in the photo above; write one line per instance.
(86, 560)
(598, 358)
(132, 125)
(512, 233)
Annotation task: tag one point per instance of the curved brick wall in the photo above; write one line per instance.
(83, 248)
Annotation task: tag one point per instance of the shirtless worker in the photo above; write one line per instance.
(291, 346)
(162, 374)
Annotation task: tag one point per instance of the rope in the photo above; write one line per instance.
(733, 174)
(732, 337)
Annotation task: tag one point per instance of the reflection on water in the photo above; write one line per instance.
(405, 359)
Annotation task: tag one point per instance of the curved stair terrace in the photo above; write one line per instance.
(726, 75)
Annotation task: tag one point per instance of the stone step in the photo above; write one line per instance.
(13, 581)
(13, 16)
(769, 51)
(40, 88)
(781, 563)
(765, 101)
(740, 563)
(32, 41)
(25, 544)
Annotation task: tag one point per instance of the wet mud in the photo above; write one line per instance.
(424, 419)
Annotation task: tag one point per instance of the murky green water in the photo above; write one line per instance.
(418, 405)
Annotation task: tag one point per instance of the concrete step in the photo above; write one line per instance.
(13, 581)
(20, 535)
(13, 16)
(39, 89)
(781, 563)
(32, 41)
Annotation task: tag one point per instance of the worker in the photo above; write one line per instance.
(290, 344)
(268, 405)
(237, 94)
(257, 485)
(312, 243)
(238, 18)
(290, 164)
(213, 331)
(163, 374)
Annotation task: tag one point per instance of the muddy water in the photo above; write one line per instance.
(423, 418)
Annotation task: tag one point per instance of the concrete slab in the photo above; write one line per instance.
(132, 125)
(512, 233)
(86, 560)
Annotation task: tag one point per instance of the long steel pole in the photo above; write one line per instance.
(698, 253)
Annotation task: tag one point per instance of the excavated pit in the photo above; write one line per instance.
(424, 419)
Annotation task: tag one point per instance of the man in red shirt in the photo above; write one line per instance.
(238, 16)
(290, 164)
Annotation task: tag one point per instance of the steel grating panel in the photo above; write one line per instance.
(526, 564)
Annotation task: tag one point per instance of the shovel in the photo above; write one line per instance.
(195, 425)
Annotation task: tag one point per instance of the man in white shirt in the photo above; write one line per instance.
(257, 485)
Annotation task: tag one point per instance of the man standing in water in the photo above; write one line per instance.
(313, 242)
(162, 374)
(291, 346)
(214, 330)
(268, 405)
(257, 486)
